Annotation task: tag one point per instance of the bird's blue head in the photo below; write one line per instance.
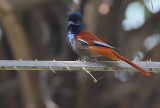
(75, 22)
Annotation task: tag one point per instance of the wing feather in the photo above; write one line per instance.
(97, 43)
(82, 42)
(86, 37)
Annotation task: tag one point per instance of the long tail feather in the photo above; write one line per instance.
(132, 64)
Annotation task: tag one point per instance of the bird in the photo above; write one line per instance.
(89, 45)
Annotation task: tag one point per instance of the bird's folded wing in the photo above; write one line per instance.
(87, 38)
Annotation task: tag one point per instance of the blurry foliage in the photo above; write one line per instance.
(44, 25)
(147, 14)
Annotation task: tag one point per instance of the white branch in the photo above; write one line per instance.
(76, 65)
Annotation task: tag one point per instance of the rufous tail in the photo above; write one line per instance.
(132, 64)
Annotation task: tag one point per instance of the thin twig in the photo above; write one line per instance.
(151, 4)
(52, 70)
(94, 79)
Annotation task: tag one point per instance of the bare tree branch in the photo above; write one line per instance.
(76, 65)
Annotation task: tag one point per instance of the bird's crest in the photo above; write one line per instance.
(74, 16)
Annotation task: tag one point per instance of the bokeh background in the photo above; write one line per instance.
(36, 30)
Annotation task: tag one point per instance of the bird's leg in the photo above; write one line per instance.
(88, 59)
(94, 59)
(85, 59)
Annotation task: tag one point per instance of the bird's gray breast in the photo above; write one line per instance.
(79, 46)
(70, 38)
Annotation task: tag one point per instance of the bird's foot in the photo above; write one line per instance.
(94, 59)
(89, 59)
(85, 59)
